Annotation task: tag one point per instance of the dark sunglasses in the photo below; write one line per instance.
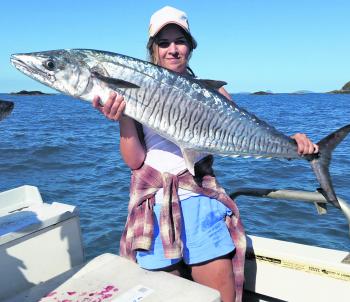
(166, 43)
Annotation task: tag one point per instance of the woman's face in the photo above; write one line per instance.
(173, 49)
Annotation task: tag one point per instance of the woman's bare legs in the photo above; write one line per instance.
(217, 274)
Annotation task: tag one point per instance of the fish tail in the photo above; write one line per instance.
(320, 163)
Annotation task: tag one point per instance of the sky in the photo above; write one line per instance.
(253, 45)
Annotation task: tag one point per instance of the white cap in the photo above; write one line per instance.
(169, 15)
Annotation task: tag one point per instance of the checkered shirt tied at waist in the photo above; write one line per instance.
(138, 232)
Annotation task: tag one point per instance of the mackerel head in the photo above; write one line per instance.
(185, 110)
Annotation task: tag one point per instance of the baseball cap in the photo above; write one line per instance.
(169, 15)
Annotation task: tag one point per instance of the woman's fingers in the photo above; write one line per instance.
(113, 107)
(305, 145)
(96, 103)
(109, 103)
(117, 108)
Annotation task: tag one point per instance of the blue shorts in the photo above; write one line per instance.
(204, 234)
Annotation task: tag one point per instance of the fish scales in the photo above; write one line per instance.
(175, 115)
(189, 131)
(162, 114)
(192, 132)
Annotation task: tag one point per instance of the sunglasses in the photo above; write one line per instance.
(162, 43)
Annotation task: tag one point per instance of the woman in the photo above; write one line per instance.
(206, 245)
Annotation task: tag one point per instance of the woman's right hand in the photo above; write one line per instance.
(113, 108)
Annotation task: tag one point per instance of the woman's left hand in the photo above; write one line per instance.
(305, 145)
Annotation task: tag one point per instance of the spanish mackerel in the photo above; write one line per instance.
(185, 110)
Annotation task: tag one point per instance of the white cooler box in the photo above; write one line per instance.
(38, 241)
(111, 278)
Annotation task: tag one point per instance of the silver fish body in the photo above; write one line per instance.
(185, 110)
(179, 108)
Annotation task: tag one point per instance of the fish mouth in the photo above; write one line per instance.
(20, 65)
(23, 64)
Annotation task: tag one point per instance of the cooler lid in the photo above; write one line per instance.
(17, 198)
(29, 217)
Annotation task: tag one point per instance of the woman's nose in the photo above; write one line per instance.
(172, 47)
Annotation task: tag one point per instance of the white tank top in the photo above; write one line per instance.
(164, 156)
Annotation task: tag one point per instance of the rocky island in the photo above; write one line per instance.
(33, 92)
(262, 92)
(344, 89)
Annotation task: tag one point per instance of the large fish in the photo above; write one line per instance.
(185, 110)
(5, 108)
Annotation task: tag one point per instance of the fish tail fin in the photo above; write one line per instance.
(320, 163)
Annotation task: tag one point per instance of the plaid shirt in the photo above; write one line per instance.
(138, 232)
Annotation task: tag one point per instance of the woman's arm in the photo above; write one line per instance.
(131, 147)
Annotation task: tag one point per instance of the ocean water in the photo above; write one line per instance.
(71, 153)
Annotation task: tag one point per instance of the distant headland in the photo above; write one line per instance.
(343, 90)
(31, 92)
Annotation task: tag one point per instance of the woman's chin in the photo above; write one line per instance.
(175, 66)
(178, 68)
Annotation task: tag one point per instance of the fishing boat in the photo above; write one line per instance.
(42, 259)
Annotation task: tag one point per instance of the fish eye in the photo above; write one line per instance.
(49, 64)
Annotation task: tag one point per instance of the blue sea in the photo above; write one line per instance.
(71, 153)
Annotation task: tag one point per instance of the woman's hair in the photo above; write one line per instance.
(152, 49)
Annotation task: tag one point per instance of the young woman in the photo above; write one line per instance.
(208, 222)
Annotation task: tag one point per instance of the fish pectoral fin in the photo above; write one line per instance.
(190, 156)
(213, 84)
(117, 83)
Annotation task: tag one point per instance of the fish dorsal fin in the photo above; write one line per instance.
(118, 83)
(190, 156)
(212, 84)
